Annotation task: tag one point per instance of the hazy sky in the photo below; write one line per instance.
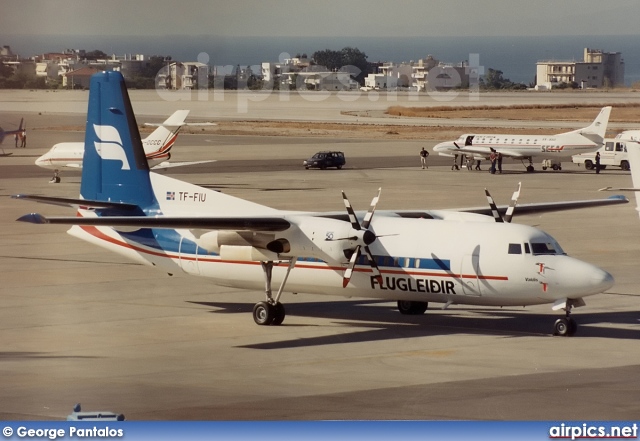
(321, 17)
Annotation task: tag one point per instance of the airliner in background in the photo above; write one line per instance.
(472, 256)
(157, 146)
(526, 147)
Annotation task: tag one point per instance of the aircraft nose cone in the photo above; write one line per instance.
(601, 279)
(439, 147)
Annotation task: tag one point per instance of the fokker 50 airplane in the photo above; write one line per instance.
(524, 147)
(20, 131)
(157, 146)
(412, 257)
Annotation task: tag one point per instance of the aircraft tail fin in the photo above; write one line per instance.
(158, 144)
(114, 167)
(597, 129)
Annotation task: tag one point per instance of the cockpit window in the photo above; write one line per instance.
(545, 248)
(515, 248)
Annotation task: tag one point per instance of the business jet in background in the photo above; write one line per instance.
(471, 256)
(157, 147)
(526, 147)
(20, 132)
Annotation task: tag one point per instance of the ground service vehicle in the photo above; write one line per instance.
(614, 153)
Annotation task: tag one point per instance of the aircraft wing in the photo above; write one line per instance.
(167, 164)
(236, 223)
(273, 223)
(547, 207)
(74, 203)
(484, 151)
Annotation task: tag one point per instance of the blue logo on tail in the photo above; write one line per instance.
(114, 167)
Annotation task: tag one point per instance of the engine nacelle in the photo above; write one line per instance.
(322, 238)
(213, 240)
(246, 253)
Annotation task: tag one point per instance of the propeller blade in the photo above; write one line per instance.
(349, 271)
(374, 267)
(512, 206)
(494, 209)
(372, 209)
(352, 215)
(365, 236)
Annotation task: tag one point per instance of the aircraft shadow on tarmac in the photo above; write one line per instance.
(24, 355)
(388, 324)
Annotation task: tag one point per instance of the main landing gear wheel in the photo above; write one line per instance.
(271, 311)
(280, 313)
(407, 307)
(565, 327)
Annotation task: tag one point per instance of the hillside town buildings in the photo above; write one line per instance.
(71, 68)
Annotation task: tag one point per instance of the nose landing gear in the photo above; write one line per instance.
(566, 326)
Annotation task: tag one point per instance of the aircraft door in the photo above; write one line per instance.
(189, 256)
(469, 270)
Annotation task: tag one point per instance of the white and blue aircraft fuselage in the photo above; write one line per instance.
(412, 257)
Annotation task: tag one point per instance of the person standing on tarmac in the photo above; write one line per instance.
(493, 158)
(423, 158)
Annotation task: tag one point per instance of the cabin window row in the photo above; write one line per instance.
(396, 262)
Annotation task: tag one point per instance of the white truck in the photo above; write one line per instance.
(613, 152)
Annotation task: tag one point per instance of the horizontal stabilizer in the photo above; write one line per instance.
(618, 189)
(167, 164)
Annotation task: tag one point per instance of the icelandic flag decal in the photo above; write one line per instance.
(171, 195)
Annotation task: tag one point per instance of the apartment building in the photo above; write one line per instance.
(597, 70)
(425, 74)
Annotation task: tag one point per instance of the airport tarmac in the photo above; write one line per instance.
(78, 324)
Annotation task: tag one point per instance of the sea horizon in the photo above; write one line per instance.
(515, 56)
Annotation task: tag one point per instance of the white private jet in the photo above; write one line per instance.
(524, 147)
(157, 146)
(412, 257)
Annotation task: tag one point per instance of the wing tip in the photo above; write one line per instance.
(33, 218)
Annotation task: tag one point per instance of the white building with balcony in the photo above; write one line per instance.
(598, 69)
